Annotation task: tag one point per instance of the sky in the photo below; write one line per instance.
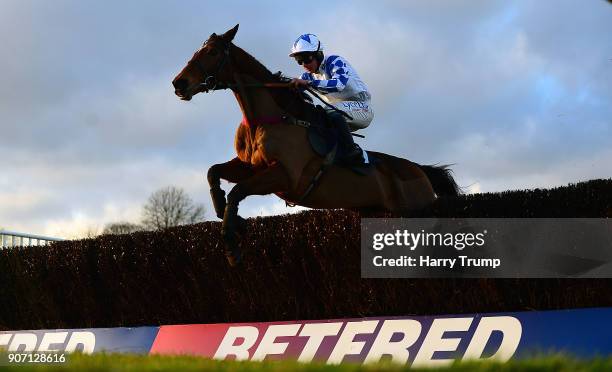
(515, 94)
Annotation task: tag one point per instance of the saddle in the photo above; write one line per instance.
(325, 140)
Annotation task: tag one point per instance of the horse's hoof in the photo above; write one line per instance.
(218, 199)
(234, 257)
(233, 253)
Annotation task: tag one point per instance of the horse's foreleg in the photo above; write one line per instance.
(267, 181)
(233, 171)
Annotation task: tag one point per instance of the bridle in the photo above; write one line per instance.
(211, 82)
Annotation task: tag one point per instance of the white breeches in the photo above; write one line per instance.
(360, 111)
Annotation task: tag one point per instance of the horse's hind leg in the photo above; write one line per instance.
(233, 171)
(267, 181)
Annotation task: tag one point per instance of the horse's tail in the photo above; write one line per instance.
(441, 179)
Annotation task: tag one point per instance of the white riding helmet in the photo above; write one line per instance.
(306, 43)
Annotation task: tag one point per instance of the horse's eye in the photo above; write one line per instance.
(213, 52)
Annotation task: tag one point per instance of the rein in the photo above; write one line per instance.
(211, 84)
(221, 86)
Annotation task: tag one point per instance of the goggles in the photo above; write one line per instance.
(304, 59)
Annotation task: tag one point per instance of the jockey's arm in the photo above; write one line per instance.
(337, 82)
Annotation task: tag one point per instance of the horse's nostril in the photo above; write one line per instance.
(180, 84)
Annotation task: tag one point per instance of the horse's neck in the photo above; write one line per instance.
(246, 64)
(260, 102)
(255, 102)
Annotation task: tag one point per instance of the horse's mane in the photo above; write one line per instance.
(296, 102)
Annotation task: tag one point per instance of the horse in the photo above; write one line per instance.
(274, 155)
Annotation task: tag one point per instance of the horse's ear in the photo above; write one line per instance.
(229, 35)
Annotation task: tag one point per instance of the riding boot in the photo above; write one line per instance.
(354, 154)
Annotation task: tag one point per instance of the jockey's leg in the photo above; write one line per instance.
(264, 182)
(361, 116)
(361, 113)
(233, 171)
(353, 151)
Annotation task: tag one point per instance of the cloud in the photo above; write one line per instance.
(48, 198)
(516, 94)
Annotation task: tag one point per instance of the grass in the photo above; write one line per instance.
(128, 362)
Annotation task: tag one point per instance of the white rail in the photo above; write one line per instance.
(9, 239)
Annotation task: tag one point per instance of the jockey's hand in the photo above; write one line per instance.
(299, 83)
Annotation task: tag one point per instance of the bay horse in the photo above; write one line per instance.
(274, 153)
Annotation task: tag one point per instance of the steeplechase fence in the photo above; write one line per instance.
(300, 266)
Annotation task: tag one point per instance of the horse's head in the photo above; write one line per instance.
(208, 66)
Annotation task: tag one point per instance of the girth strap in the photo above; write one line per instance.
(329, 160)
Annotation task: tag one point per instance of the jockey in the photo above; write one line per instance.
(340, 86)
